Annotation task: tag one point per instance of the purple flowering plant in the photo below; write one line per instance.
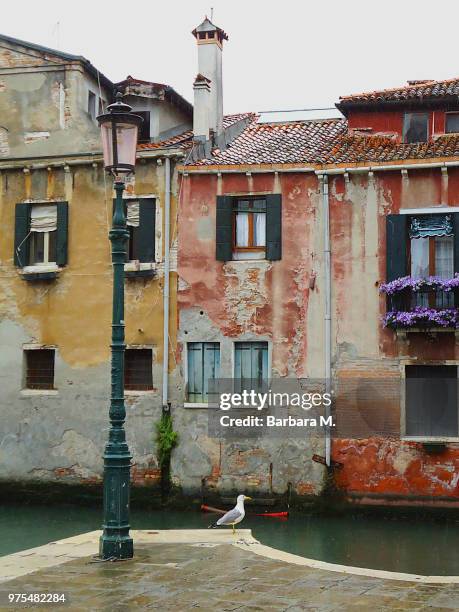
(416, 284)
(446, 317)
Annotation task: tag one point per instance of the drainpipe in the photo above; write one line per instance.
(327, 313)
(167, 231)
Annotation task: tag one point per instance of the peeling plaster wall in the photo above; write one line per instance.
(44, 105)
(61, 435)
(387, 470)
(258, 301)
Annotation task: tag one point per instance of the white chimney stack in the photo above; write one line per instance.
(201, 114)
(210, 46)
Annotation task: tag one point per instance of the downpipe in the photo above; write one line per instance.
(327, 310)
(166, 292)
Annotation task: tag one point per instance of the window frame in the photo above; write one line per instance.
(403, 404)
(92, 111)
(205, 402)
(129, 388)
(405, 128)
(237, 388)
(38, 387)
(448, 114)
(251, 248)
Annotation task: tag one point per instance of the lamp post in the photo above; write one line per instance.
(119, 128)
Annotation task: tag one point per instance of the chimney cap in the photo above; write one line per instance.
(201, 78)
(208, 26)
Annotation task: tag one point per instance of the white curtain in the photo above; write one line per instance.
(444, 256)
(43, 218)
(259, 225)
(133, 215)
(242, 229)
(419, 257)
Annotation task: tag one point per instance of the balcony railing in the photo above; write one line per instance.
(422, 303)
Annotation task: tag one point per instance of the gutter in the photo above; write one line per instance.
(167, 231)
(327, 310)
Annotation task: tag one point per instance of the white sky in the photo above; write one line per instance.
(280, 55)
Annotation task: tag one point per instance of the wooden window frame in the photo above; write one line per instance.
(432, 296)
(251, 248)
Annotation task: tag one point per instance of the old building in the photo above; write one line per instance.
(55, 208)
(325, 213)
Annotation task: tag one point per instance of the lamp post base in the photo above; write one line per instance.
(116, 547)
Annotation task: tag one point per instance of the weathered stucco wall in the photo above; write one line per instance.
(258, 301)
(384, 468)
(44, 104)
(60, 435)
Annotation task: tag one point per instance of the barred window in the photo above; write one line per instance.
(39, 369)
(138, 370)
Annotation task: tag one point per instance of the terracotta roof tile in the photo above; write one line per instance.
(280, 143)
(185, 139)
(414, 90)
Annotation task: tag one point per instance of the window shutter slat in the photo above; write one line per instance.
(396, 254)
(224, 229)
(274, 226)
(146, 243)
(21, 229)
(62, 233)
(455, 217)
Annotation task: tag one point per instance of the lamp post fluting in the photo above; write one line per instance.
(119, 128)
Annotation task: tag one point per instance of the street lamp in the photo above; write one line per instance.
(119, 128)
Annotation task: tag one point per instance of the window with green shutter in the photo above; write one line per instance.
(41, 234)
(249, 227)
(251, 366)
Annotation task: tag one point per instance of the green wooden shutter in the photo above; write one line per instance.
(396, 255)
(146, 244)
(21, 230)
(274, 226)
(455, 217)
(396, 243)
(224, 229)
(62, 233)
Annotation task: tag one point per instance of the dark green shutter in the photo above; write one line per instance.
(146, 244)
(224, 228)
(273, 226)
(455, 217)
(396, 255)
(62, 233)
(21, 230)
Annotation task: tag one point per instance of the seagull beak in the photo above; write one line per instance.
(246, 497)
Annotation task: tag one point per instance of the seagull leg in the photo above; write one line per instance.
(234, 531)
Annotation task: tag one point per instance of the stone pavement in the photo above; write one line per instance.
(209, 571)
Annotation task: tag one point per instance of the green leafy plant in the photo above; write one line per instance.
(166, 439)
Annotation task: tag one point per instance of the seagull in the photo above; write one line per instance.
(234, 516)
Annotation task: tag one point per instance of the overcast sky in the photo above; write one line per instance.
(280, 55)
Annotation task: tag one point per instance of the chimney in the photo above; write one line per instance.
(201, 88)
(210, 46)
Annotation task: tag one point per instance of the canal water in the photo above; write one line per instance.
(419, 546)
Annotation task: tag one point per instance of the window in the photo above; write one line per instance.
(41, 234)
(249, 227)
(39, 369)
(203, 366)
(144, 129)
(251, 366)
(138, 370)
(452, 123)
(92, 104)
(415, 127)
(431, 253)
(431, 401)
(140, 219)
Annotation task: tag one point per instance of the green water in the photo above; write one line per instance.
(402, 545)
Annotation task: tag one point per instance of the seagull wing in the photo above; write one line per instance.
(230, 517)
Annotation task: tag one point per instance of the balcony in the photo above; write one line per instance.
(427, 304)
